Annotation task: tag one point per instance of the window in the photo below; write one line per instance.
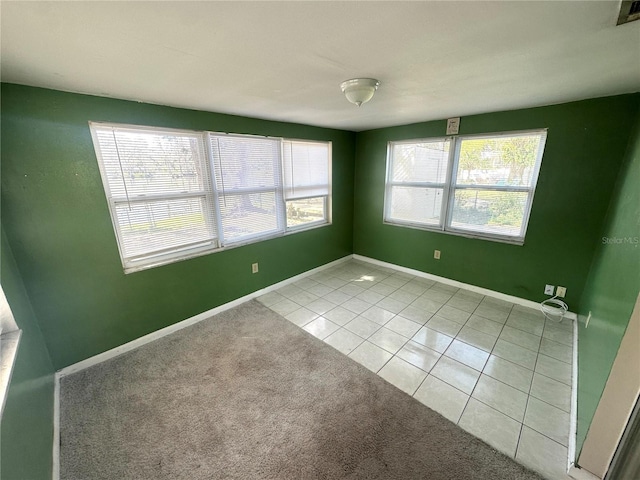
(175, 194)
(417, 181)
(248, 185)
(480, 186)
(306, 182)
(159, 191)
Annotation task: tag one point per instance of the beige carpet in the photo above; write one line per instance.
(248, 395)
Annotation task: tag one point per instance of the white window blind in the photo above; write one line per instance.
(306, 169)
(248, 184)
(417, 181)
(159, 189)
(175, 194)
(307, 182)
(480, 185)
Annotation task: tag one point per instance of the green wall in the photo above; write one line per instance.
(59, 233)
(27, 421)
(612, 288)
(58, 225)
(585, 147)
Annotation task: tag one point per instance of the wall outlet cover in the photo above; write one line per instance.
(548, 289)
(436, 254)
(453, 126)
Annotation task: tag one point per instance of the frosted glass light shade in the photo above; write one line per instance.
(359, 90)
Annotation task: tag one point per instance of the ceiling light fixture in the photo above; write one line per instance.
(359, 90)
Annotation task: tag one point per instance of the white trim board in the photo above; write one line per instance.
(617, 402)
(138, 342)
(151, 337)
(56, 426)
(163, 332)
(572, 469)
(484, 291)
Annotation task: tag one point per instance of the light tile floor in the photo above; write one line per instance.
(500, 371)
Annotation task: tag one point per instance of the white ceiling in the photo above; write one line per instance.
(285, 60)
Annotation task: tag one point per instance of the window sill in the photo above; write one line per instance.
(207, 251)
(8, 352)
(458, 233)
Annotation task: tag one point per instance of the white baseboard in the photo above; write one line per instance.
(127, 347)
(56, 427)
(114, 352)
(138, 342)
(573, 419)
(484, 291)
(571, 451)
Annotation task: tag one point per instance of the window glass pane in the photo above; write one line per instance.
(420, 162)
(148, 227)
(300, 212)
(159, 186)
(416, 205)
(498, 161)
(490, 212)
(249, 186)
(138, 162)
(248, 215)
(306, 168)
(246, 162)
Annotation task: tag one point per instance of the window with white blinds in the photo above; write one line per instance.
(417, 180)
(480, 186)
(159, 191)
(307, 184)
(248, 185)
(175, 194)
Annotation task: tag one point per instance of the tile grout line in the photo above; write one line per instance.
(466, 405)
(403, 345)
(408, 339)
(492, 349)
(541, 336)
(524, 416)
(454, 337)
(475, 386)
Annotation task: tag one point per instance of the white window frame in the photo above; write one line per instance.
(326, 198)
(171, 254)
(450, 187)
(389, 184)
(211, 195)
(277, 191)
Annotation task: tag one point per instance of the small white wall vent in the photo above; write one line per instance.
(629, 11)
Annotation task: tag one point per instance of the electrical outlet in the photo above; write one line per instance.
(548, 289)
(561, 292)
(436, 254)
(254, 268)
